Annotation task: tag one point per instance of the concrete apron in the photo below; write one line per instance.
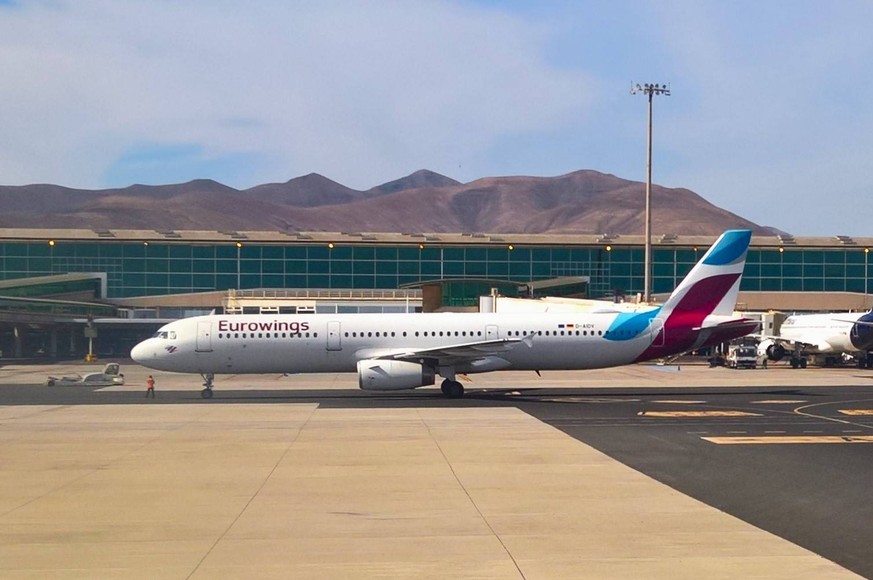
(293, 491)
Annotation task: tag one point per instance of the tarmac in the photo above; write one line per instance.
(300, 490)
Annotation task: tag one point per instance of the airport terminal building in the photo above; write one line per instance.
(187, 271)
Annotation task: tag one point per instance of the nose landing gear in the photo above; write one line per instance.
(206, 393)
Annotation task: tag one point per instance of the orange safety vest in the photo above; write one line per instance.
(151, 383)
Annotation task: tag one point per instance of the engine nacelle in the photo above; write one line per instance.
(775, 352)
(391, 375)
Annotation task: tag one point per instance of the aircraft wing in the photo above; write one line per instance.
(816, 346)
(858, 321)
(780, 339)
(453, 353)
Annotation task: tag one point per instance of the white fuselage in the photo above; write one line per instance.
(335, 343)
(399, 351)
(828, 333)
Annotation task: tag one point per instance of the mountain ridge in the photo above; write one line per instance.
(583, 201)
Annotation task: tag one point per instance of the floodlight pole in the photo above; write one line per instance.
(238, 277)
(649, 90)
(866, 275)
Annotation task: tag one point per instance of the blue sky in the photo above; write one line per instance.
(771, 112)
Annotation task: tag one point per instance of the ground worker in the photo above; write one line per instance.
(150, 383)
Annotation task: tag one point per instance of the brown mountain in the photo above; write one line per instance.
(580, 202)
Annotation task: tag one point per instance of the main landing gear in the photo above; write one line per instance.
(452, 389)
(798, 362)
(206, 393)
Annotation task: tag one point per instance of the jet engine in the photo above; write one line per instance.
(390, 375)
(773, 350)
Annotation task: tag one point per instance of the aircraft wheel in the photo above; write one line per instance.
(452, 389)
(206, 393)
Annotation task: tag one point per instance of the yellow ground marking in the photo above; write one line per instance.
(778, 402)
(588, 400)
(783, 439)
(678, 402)
(697, 414)
(856, 411)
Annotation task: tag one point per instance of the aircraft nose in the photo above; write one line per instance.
(862, 335)
(142, 352)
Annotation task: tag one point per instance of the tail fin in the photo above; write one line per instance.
(711, 287)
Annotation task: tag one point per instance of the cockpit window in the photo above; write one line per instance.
(172, 335)
(160, 334)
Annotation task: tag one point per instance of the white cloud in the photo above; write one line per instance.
(780, 124)
(361, 92)
(770, 107)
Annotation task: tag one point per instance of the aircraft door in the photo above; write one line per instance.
(491, 332)
(334, 341)
(656, 328)
(204, 336)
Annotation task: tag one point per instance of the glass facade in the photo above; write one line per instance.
(138, 269)
(90, 286)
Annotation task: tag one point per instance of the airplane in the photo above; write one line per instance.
(406, 351)
(830, 335)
